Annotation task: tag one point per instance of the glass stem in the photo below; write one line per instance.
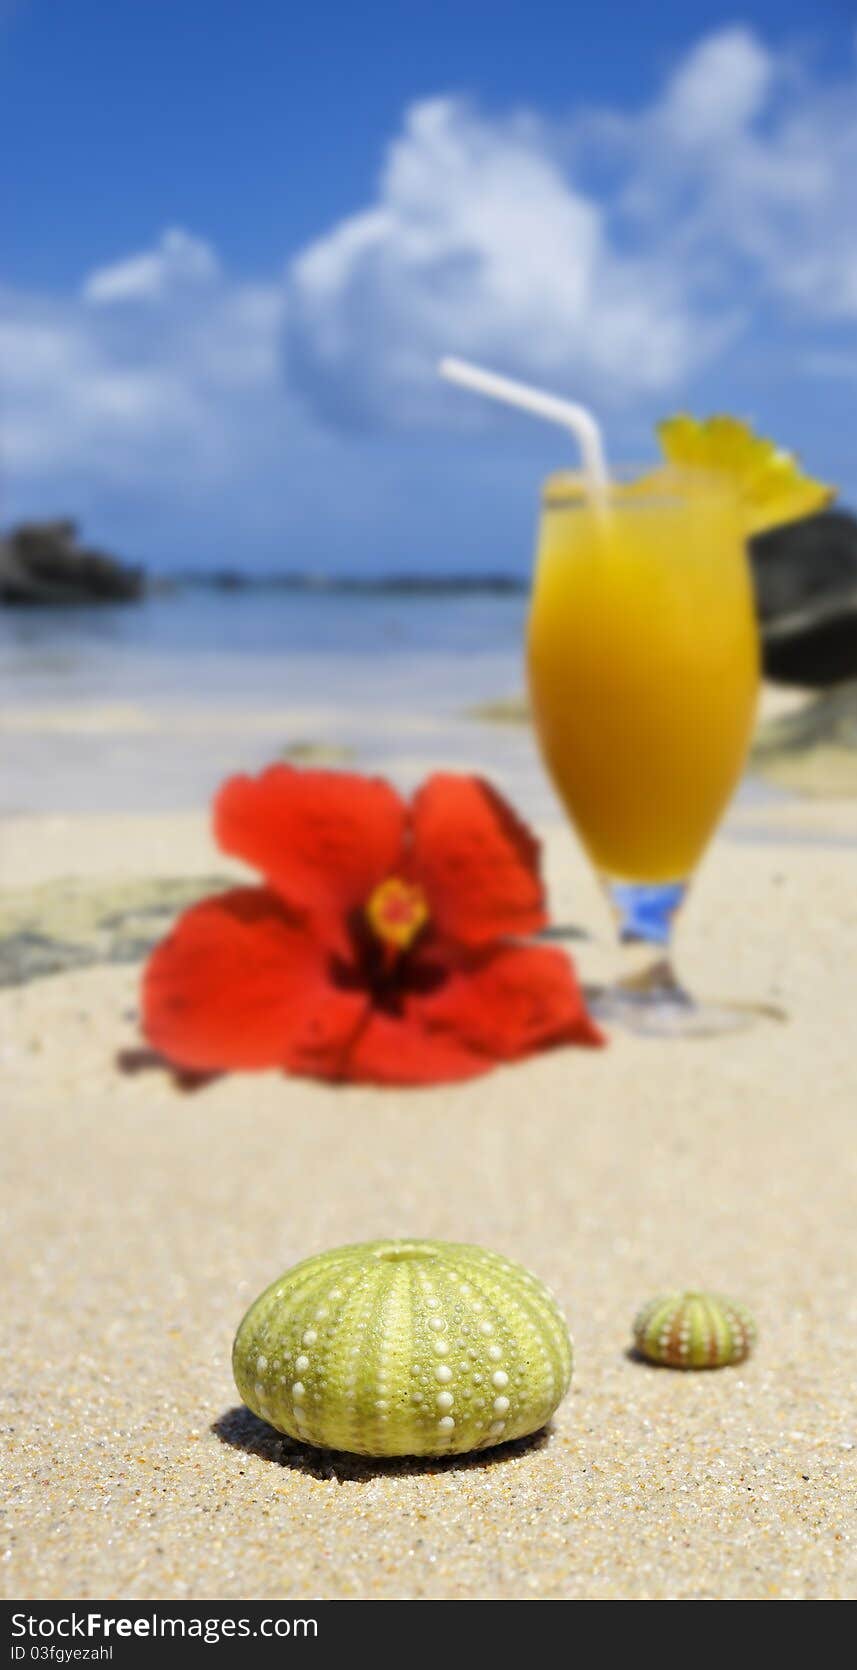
(644, 914)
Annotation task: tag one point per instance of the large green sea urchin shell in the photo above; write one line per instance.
(404, 1348)
(694, 1330)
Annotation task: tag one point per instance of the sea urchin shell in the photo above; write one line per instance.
(404, 1348)
(694, 1330)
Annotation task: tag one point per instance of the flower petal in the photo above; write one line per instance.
(511, 1000)
(476, 860)
(240, 984)
(322, 839)
(499, 1004)
(402, 1050)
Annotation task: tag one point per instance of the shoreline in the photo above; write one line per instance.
(137, 756)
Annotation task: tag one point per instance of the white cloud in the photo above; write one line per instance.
(479, 244)
(67, 401)
(178, 260)
(840, 365)
(164, 387)
(718, 89)
(745, 171)
(734, 189)
(713, 227)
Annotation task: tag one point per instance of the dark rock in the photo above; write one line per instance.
(41, 562)
(806, 592)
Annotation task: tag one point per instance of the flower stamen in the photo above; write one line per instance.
(396, 912)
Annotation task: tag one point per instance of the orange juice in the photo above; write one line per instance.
(644, 670)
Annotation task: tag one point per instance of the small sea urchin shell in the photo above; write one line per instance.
(404, 1348)
(694, 1330)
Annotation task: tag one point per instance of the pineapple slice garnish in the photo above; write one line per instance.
(771, 484)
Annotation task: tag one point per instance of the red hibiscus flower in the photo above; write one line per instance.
(379, 949)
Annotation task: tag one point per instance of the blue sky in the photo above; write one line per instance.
(236, 238)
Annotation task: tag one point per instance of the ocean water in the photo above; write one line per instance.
(280, 646)
(148, 706)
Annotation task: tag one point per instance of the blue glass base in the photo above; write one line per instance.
(648, 998)
(644, 911)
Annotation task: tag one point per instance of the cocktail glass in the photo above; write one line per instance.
(644, 671)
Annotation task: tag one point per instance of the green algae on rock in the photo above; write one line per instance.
(391, 1348)
(694, 1330)
(73, 923)
(813, 750)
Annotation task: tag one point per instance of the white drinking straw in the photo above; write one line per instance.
(564, 412)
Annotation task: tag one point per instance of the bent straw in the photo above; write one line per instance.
(566, 413)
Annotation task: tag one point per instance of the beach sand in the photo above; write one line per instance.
(138, 1223)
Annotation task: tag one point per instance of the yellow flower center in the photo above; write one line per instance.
(396, 912)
